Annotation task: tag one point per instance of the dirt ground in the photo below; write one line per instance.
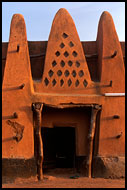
(64, 179)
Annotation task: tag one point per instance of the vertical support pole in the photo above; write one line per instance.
(91, 133)
(37, 109)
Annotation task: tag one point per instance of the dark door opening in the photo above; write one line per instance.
(59, 147)
(48, 138)
(65, 147)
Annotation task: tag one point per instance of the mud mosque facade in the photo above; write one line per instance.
(63, 100)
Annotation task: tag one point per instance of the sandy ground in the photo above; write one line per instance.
(62, 179)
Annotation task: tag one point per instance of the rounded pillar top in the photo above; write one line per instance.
(18, 29)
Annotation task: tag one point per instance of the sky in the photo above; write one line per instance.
(39, 16)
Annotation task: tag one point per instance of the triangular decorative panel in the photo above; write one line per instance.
(65, 64)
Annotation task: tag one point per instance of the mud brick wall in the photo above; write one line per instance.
(39, 47)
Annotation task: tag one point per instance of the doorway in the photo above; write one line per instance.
(65, 147)
(59, 147)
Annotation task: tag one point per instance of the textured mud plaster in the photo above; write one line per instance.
(109, 167)
(18, 129)
(13, 168)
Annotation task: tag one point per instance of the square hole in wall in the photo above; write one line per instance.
(69, 82)
(46, 81)
(62, 45)
(59, 73)
(74, 53)
(77, 83)
(61, 82)
(57, 53)
(62, 63)
(66, 73)
(54, 82)
(70, 63)
(54, 63)
(74, 73)
(50, 73)
(85, 83)
(66, 54)
(77, 64)
(71, 44)
(64, 35)
(81, 73)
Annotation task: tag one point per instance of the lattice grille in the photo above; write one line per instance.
(66, 69)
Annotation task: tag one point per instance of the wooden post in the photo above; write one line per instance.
(37, 109)
(91, 133)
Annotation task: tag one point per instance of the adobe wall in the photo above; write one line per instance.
(39, 47)
(17, 120)
(111, 106)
